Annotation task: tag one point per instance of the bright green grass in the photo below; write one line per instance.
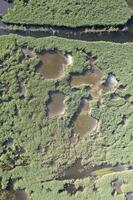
(25, 119)
(70, 13)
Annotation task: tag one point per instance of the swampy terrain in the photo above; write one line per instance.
(66, 102)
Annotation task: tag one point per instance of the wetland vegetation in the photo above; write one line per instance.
(66, 106)
(37, 150)
(69, 13)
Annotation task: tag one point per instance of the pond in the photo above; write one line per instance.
(87, 78)
(55, 104)
(83, 123)
(53, 65)
(91, 78)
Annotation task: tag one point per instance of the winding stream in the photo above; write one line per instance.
(113, 36)
(120, 33)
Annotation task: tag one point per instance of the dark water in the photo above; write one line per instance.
(118, 37)
(4, 6)
(72, 33)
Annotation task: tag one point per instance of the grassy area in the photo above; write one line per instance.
(46, 141)
(69, 13)
(103, 185)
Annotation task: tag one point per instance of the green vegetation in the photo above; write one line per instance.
(69, 13)
(101, 172)
(47, 141)
(102, 184)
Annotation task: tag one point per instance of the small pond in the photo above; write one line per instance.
(53, 65)
(83, 122)
(55, 104)
(91, 78)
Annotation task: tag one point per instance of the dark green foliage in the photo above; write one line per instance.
(46, 141)
(69, 13)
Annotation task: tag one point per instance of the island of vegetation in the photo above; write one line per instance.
(69, 13)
